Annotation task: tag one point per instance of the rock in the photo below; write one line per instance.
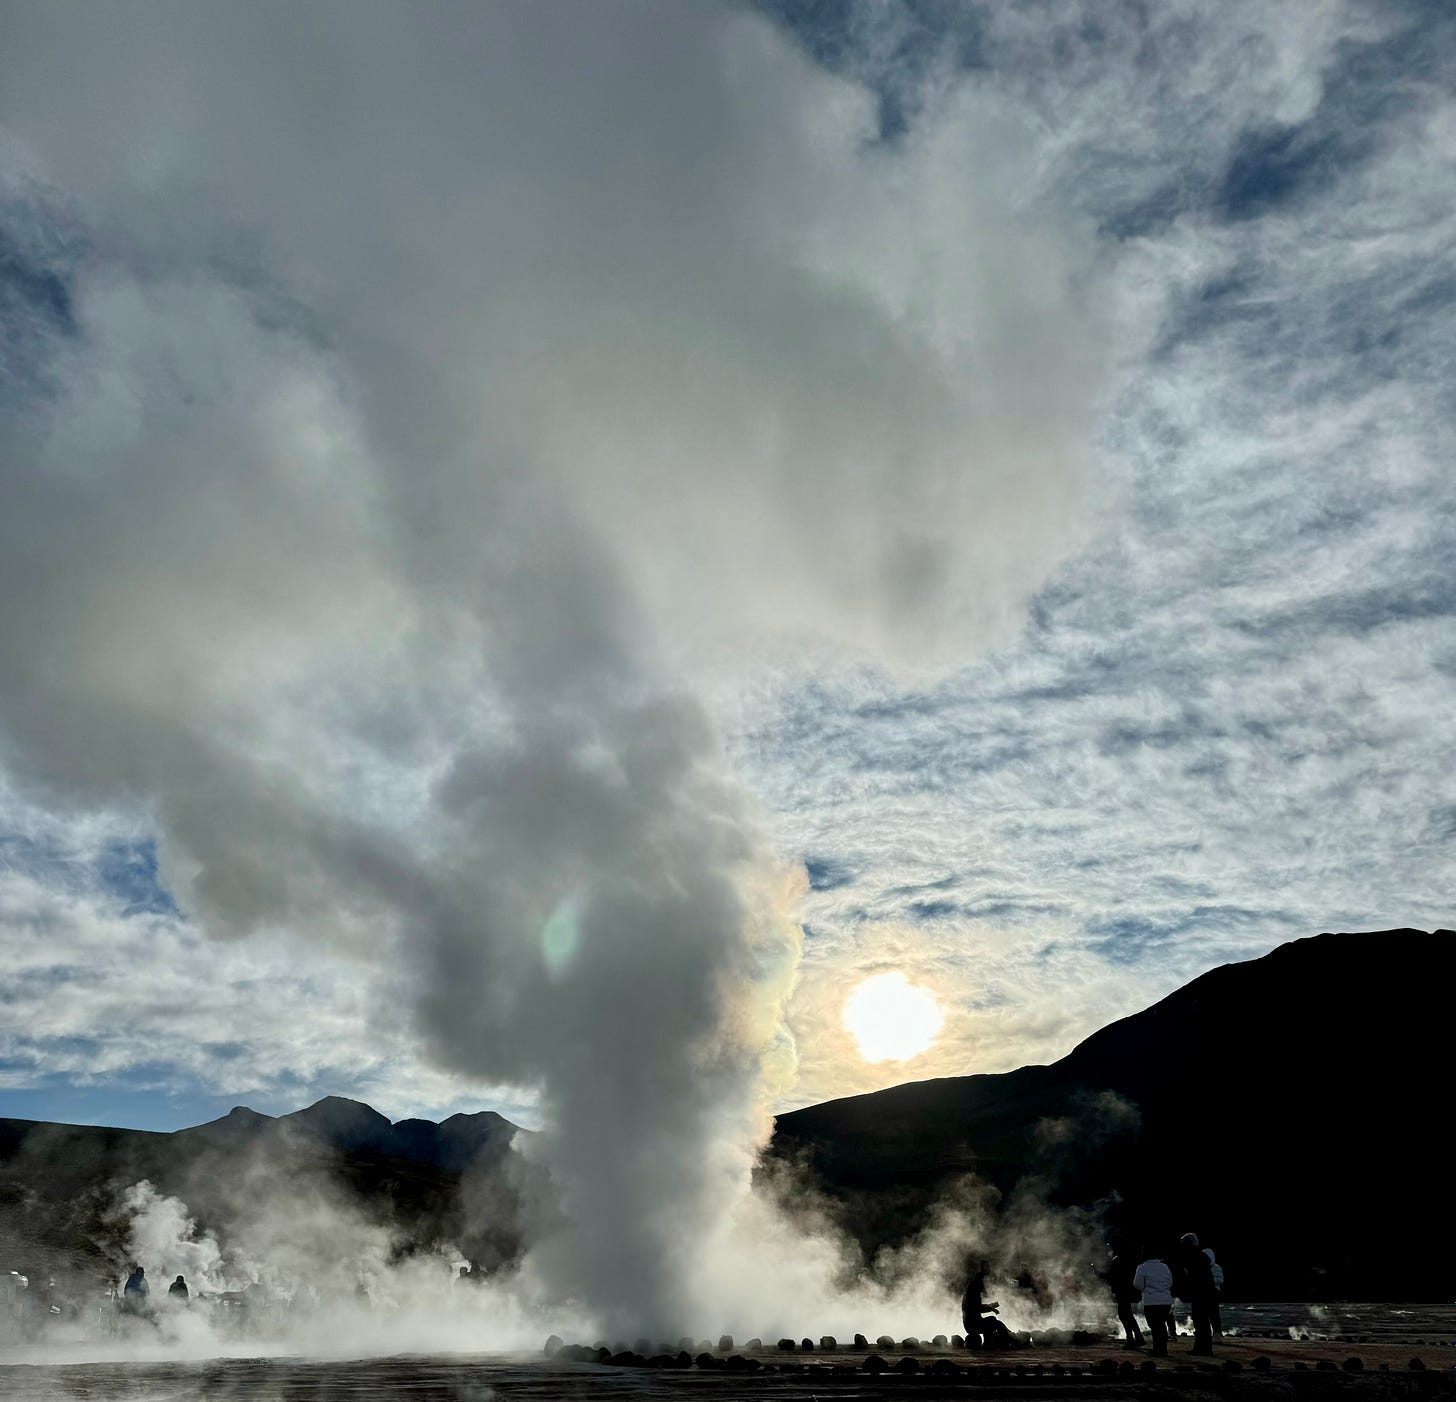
(1106, 1367)
(752, 1343)
(1327, 1365)
(554, 1345)
(806, 1345)
(1081, 1338)
(604, 1354)
(1416, 1366)
(1147, 1366)
(1125, 1368)
(940, 1341)
(662, 1360)
(1262, 1364)
(1354, 1365)
(860, 1341)
(944, 1368)
(884, 1341)
(707, 1362)
(957, 1341)
(627, 1359)
(703, 1346)
(736, 1363)
(906, 1365)
(873, 1364)
(909, 1345)
(828, 1343)
(786, 1345)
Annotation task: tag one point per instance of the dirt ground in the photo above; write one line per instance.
(1092, 1373)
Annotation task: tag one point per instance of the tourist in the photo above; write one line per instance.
(134, 1293)
(1194, 1276)
(1217, 1318)
(978, 1316)
(1118, 1274)
(1153, 1280)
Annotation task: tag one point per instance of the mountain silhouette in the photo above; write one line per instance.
(1286, 1109)
(60, 1185)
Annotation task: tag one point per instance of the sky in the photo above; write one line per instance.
(540, 544)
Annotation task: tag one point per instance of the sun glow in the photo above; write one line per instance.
(892, 1019)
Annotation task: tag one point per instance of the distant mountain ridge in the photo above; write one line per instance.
(350, 1126)
(1287, 1108)
(59, 1184)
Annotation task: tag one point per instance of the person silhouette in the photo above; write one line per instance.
(1194, 1274)
(1118, 1274)
(1153, 1280)
(134, 1293)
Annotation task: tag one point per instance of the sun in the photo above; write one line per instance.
(892, 1019)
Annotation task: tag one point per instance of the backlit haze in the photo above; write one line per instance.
(546, 550)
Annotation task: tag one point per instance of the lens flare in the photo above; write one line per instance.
(560, 938)
(892, 1019)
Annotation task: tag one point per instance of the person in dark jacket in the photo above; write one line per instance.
(134, 1293)
(978, 1316)
(1194, 1283)
(177, 1290)
(1217, 1270)
(1118, 1273)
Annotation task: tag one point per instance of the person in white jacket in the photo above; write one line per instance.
(1153, 1279)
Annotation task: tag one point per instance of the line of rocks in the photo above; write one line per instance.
(663, 1356)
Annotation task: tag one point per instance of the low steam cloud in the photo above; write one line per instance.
(421, 398)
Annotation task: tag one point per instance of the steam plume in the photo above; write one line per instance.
(418, 390)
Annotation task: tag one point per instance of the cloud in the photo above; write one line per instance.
(1219, 730)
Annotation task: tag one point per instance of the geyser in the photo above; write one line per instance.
(414, 408)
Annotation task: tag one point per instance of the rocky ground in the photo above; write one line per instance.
(1242, 1370)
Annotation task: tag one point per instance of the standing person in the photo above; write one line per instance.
(177, 1290)
(1118, 1274)
(1217, 1270)
(1153, 1280)
(1195, 1285)
(134, 1293)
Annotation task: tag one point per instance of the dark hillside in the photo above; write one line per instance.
(1286, 1108)
(60, 1185)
